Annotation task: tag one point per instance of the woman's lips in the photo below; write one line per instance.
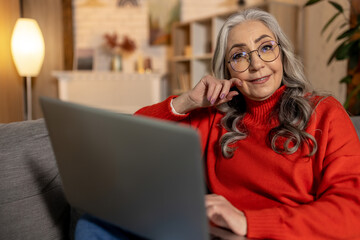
(260, 80)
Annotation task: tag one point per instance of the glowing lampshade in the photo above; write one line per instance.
(27, 47)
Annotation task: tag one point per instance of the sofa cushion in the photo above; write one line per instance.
(32, 203)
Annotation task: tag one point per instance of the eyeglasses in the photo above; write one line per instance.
(268, 51)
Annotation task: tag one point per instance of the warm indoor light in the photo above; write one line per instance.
(28, 50)
(27, 46)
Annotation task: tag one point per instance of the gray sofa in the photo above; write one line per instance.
(356, 122)
(32, 203)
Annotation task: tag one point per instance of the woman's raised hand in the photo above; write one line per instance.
(208, 91)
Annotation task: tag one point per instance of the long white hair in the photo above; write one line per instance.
(295, 108)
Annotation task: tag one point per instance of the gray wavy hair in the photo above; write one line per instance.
(295, 107)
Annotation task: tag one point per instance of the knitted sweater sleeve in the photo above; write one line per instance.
(335, 211)
(163, 111)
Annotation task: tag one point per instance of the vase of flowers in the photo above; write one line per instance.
(118, 49)
(117, 63)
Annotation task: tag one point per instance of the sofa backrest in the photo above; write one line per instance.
(356, 122)
(32, 203)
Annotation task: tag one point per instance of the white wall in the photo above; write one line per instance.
(91, 23)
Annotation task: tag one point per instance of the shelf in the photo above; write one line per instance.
(201, 37)
(193, 46)
(205, 56)
(181, 38)
(203, 68)
(181, 58)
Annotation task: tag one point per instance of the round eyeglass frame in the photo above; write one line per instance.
(256, 50)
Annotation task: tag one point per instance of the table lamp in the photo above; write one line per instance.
(28, 50)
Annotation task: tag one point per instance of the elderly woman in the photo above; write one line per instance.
(278, 162)
(279, 165)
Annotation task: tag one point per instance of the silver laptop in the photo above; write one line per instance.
(143, 175)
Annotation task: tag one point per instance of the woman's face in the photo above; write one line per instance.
(261, 79)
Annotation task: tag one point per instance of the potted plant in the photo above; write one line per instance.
(118, 49)
(349, 48)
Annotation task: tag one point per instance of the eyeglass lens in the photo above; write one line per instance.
(267, 51)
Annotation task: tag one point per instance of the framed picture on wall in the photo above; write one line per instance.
(162, 15)
(84, 59)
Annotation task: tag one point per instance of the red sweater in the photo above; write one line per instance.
(284, 196)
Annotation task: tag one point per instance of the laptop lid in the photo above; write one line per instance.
(141, 174)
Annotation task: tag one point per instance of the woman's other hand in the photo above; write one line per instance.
(207, 92)
(223, 214)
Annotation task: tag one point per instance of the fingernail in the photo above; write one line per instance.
(212, 101)
(222, 96)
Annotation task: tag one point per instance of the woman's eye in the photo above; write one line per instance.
(266, 48)
(239, 55)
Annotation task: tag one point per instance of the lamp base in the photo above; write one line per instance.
(28, 99)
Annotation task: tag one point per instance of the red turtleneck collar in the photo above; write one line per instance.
(258, 112)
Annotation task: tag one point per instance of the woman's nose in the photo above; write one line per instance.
(255, 62)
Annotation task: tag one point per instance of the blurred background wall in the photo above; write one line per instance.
(71, 25)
